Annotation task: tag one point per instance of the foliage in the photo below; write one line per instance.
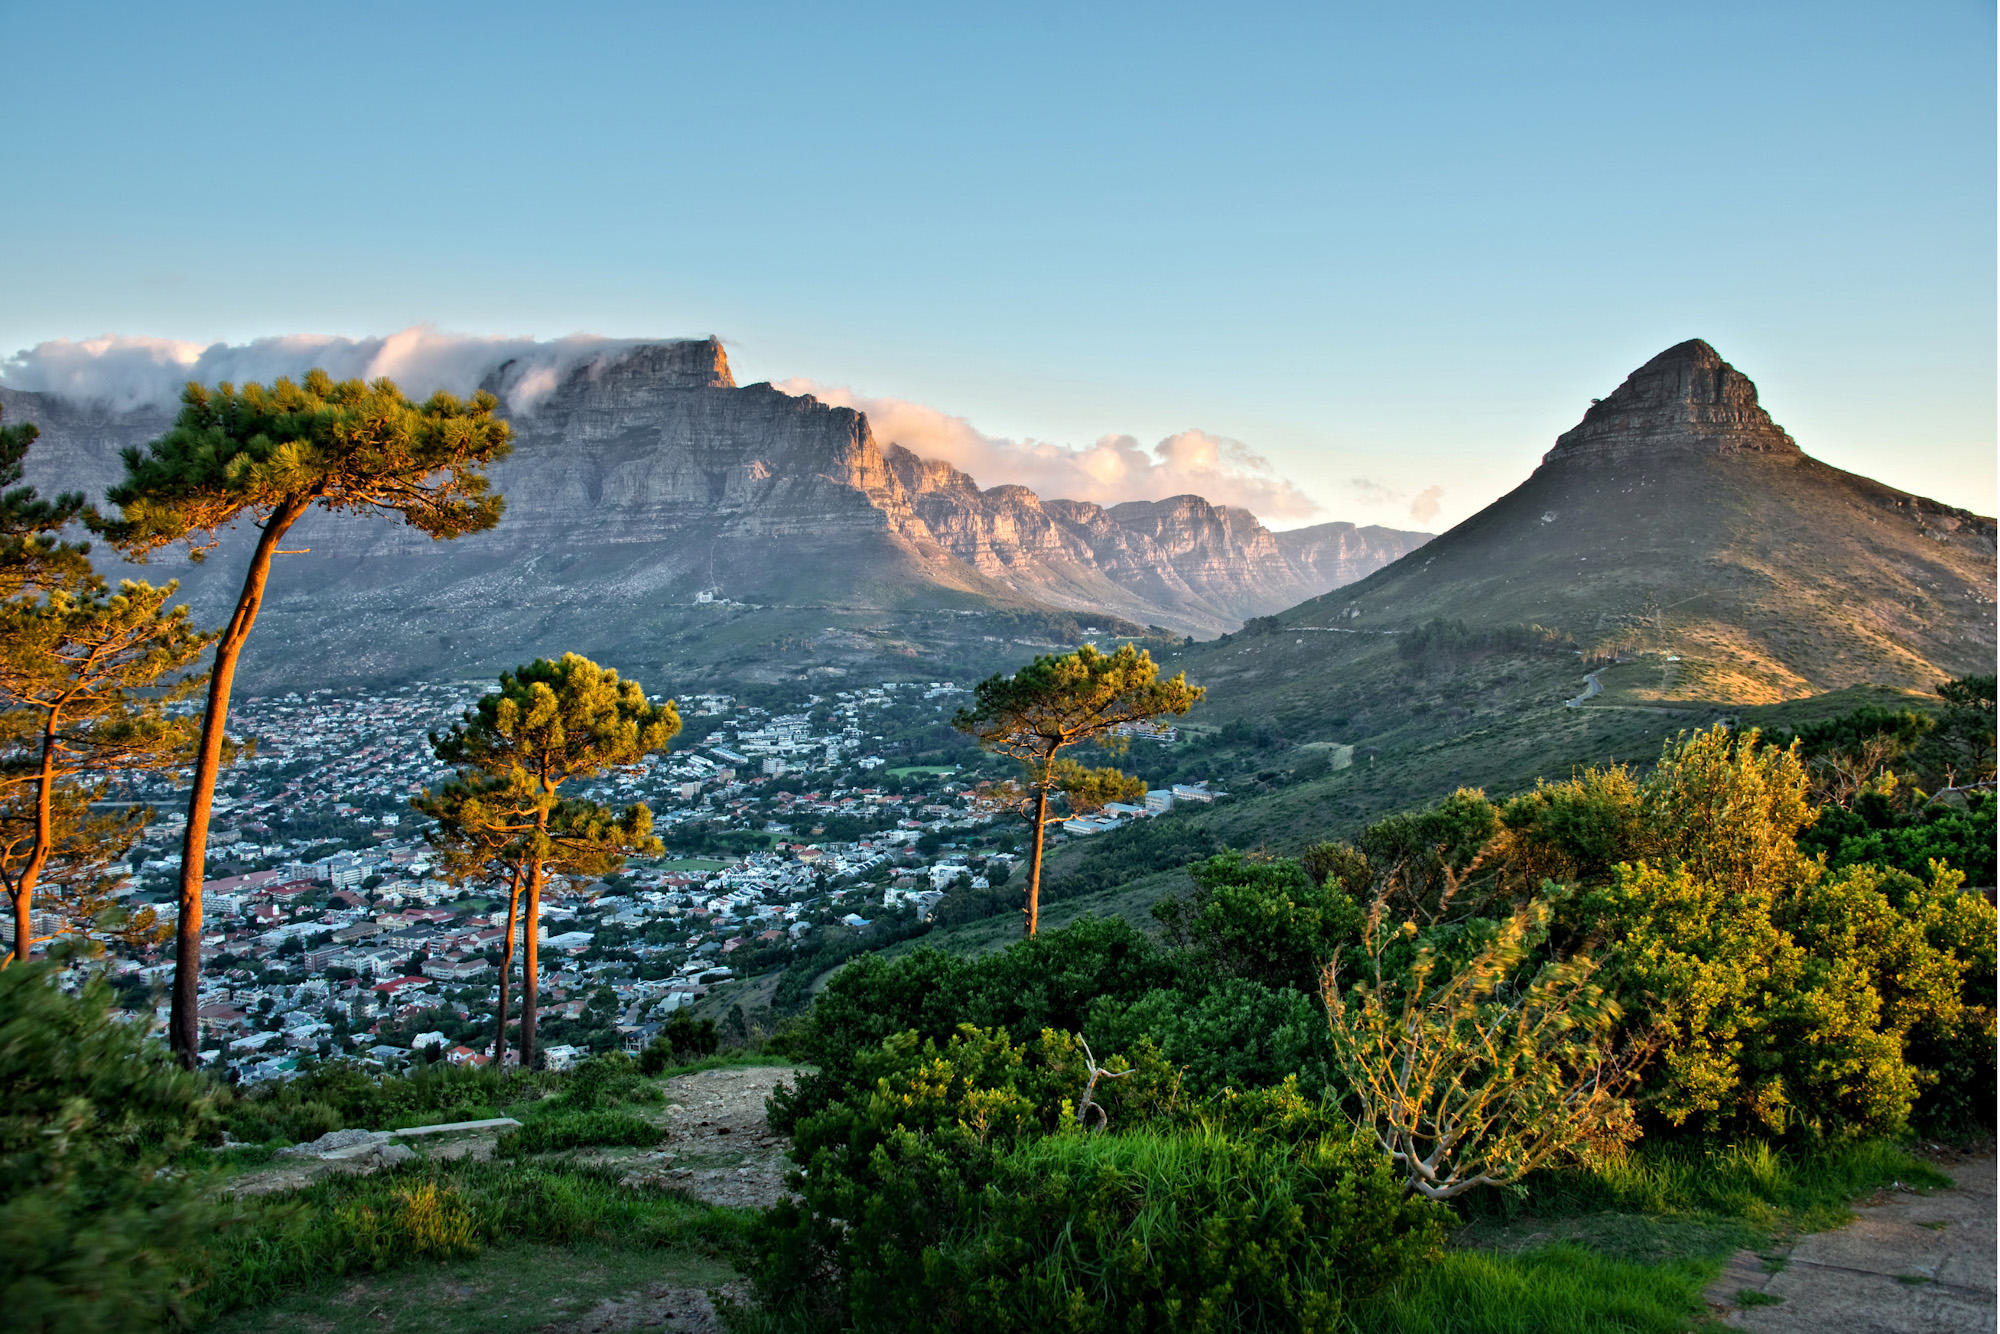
(335, 1095)
(1475, 1073)
(1260, 919)
(604, 1081)
(1051, 981)
(1238, 1034)
(549, 723)
(1771, 1018)
(94, 1227)
(87, 676)
(681, 1038)
(1876, 829)
(1191, 1230)
(890, 1168)
(1058, 701)
(575, 1130)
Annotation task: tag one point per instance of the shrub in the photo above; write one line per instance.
(681, 1039)
(1238, 1034)
(1476, 1073)
(1050, 981)
(575, 1130)
(340, 1093)
(1263, 920)
(603, 1081)
(94, 1225)
(1189, 1230)
(891, 1167)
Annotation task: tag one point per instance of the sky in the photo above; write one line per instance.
(1327, 261)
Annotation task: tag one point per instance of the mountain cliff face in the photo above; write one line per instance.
(640, 481)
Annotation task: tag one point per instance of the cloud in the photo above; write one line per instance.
(1425, 506)
(129, 372)
(1114, 468)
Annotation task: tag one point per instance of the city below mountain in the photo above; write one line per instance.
(659, 516)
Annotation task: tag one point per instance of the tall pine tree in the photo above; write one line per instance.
(270, 454)
(1058, 701)
(549, 724)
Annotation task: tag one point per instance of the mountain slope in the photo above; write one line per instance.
(1676, 538)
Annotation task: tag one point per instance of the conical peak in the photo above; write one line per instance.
(1685, 399)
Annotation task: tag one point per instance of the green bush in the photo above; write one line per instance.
(681, 1039)
(1262, 920)
(334, 1095)
(95, 1226)
(892, 1167)
(1191, 1230)
(1051, 981)
(575, 1130)
(1239, 1034)
(604, 1081)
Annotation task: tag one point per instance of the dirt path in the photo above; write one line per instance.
(717, 1146)
(1910, 1264)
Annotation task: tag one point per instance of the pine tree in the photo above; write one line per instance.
(86, 676)
(270, 454)
(1055, 702)
(549, 724)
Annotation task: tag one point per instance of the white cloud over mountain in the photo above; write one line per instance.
(1113, 468)
(130, 371)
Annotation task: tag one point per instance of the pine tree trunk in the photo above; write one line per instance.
(183, 1028)
(506, 967)
(1034, 909)
(531, 964)
(23, 890)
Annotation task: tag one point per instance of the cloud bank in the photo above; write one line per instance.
(1113, 469)
(129, 372)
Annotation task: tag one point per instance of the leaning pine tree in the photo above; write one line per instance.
(270, 454)
(550, 723)
(1055, 702)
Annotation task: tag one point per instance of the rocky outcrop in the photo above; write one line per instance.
(1687, 398)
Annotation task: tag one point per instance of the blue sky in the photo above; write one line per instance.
(1394, 254)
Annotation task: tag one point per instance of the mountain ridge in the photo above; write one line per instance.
(644, 480)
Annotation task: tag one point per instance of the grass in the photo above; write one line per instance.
(1564, 1289)
(933, 770)
(1669, 1205)
(1629, 1245)
(346, 1227)
(503, 1290)
(577, 1130)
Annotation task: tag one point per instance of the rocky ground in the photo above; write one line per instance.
(1911, 1263)
(714, 1144)
(717, 1146)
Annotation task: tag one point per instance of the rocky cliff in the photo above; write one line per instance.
(650, 479)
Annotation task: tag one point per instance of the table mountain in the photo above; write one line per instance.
(652, 501)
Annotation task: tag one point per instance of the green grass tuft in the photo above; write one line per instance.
(1564, 1289)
